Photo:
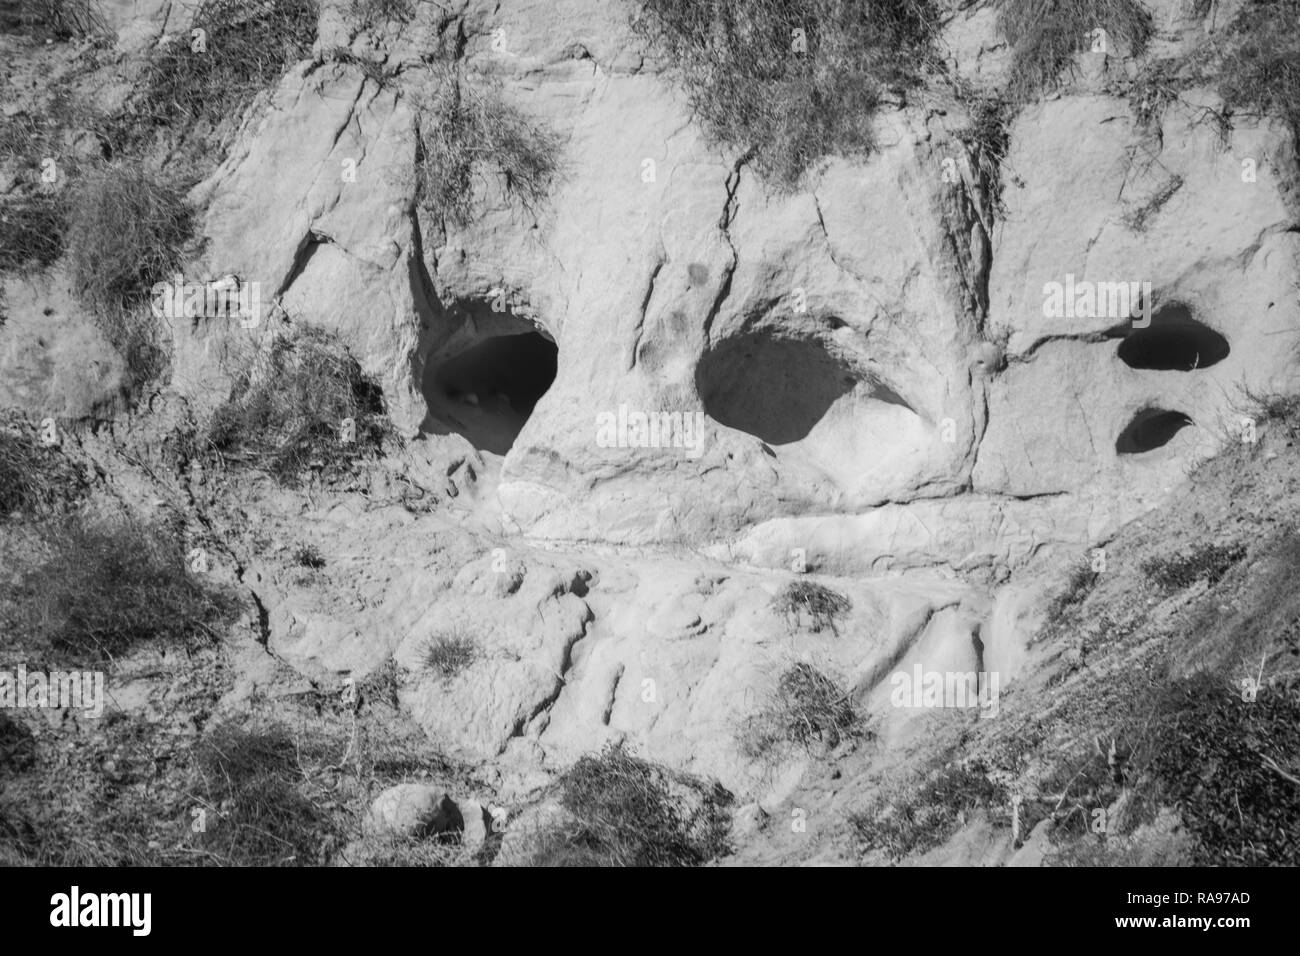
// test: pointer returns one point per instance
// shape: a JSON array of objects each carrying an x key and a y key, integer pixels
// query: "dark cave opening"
[
  {"x": 774, "y": 388},
  {"x": 1174, "y": 341},
  {"x": 487, "y": 391}
]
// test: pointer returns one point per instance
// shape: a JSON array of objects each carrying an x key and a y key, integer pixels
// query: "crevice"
[
  {"x": 724, "y": 225},
  {"x": 613, "y": 695},
  {"x": 645, "y": 306}
]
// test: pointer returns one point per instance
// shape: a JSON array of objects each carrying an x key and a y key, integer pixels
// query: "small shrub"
[
  {"x": 789, "y": 82},
  {"x": 34, "y": 479},
  {"x": 257, "y": 815},
  {"x": 805, "y": 709},
  {"x": 308, "y": 556},
  {"x": 287, "y": 413},
  {"x": 1210, "y": 562},
  {"x": 927, "y": 816},
  {"x": 1045, "y": 35},
  {"x": 447, "y": 655},
  {"x": 629, "y": 812},
  {"x": 31, "y": 232},
  {"x": 1230, "y": 767},
  {"x": 110, "y": 585},
  {"x": 823, "y": 606},
  {"x": 467, "y": 128}
]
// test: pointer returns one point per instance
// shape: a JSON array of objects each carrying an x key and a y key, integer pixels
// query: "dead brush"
[
  {"x": 819, "y": 604},
  {"x": 304, "y": 404},
  {"x": 625, "y": 811},
  {"x": 806, "y": 709},
  {"x": 252, "y": 789}
]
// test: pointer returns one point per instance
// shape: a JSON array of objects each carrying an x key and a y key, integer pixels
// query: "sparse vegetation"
[
  {"x": 289, "y": 410},
  {"x": 629, "y": 812},
  {"x": 372, "y": 13},
  {"x": 1077, "y": 585},
  {"x": 1260, "y": 70},
  {"x": 127, "y": 230},
  {"x": 1045, "y": 35},
  {"x": 56, "y": 19},
  {"x": 468, "y": 130},
  {"x": 246, "y": 47},
  {"x": 109, "y": 585},
  {"x": 789, "y": 82},
  {"x": 1232, "y": 768},
  {"x": 1272, "y": 406},
  {"x": 927, "y": 815},
  {"x": 822, "y": 606},
  {"x": 31, "y": 231},
  {"x": 309, "y": 556},
  {"x": 257, "y": 814},
  {"x": 1208, "y": 562},
  {"x": 447, "y": 655},
  {"x": 805, "y": 709},
  {"x": 34, "y": 479}
]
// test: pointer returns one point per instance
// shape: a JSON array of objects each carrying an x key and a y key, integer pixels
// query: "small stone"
[{"x": 414, "y": 810}]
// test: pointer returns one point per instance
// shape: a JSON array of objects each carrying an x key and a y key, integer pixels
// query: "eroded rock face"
[
  {"x": 870, "y": 346},
  {"x": 862, "y": 379}
]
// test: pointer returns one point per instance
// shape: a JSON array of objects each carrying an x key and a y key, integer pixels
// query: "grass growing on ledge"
[
  {"x": 469, "y": 130},
  {"x": 1045, "y": 35},
  {"x": 447, "y": 655},
  {"x": 791, "y": 81}
]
